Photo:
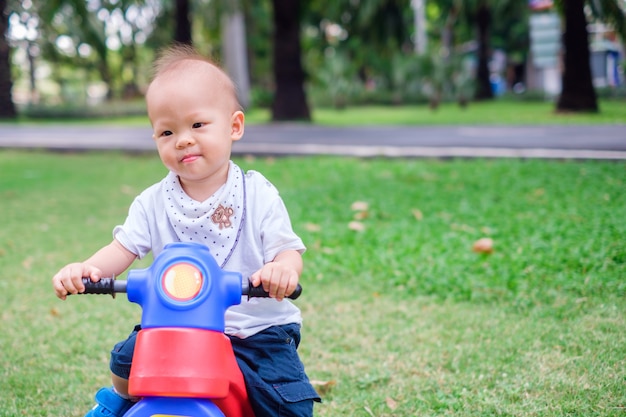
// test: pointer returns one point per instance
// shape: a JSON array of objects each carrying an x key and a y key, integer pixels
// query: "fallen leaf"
[
  {"x": 312, "y": 227},
  {"x": 359, "y": 206},
  {"x": 418, "y": 214},
  {"x": 391, "y": 403},
  {"x": 127, "y": 190},
  {"x": 356, "y": 226},
  {"x": 323, "y": 387},
  {"x": 462, "y": 227},
  {"x": 483, "y": 245},
  {"x": 54, "y": 312},
  {"x": 27, "y": 263}
]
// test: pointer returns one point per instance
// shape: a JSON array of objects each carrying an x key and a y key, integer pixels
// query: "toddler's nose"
[{"x": 184, "y": 140}]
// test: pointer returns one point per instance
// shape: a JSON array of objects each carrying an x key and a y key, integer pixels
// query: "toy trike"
[{"x": 183, "y": 364}]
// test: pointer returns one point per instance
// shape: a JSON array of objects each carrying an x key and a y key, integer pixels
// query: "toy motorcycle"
[{"x": 183, "y": 363}]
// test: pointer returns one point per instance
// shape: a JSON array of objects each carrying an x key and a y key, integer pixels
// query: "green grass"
[
  {"x": 496, "y": 112},
  {"x": 401, "y": 319}
]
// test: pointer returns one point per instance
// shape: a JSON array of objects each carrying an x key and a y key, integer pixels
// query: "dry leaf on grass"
[
  {"x": 359, "y": 206},
  {"x": 127, "y": 190},
  {"x": 483, "y": 245},
  {"x": 312, "y": 227},
  {"x": 356, "y": 226},
  {"x": 27, "y": 263},
  {"x": 323, "y": 387},
  {"x": 391, "y": 403}
]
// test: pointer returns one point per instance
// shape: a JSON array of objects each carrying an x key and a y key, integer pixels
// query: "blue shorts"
[{"x": 275, "y": 379}]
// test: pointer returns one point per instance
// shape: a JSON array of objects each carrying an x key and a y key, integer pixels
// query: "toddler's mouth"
[{"x": 189, "y": 158}]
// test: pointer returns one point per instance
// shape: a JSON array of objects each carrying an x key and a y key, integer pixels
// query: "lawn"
[{"x": 402, "y": 317}]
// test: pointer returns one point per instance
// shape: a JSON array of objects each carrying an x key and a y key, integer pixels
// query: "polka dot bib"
[{"x": 216, "y": 222}]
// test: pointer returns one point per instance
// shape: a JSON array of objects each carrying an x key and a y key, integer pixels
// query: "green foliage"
[
  {"x": 337, "y": 78},
  {"x": 354, "y": 51},
  {"x": 258, "y": 37},
  {"x": 401, "y": 317}
]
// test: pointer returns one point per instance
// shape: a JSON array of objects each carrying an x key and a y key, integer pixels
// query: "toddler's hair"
[
  {"x": 173, "y": 55},
  {"x": 180, "y": 54}
]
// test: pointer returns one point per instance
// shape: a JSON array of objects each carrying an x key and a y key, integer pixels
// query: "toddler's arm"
[
  {"x": 112, "y": 259},
  {"x": 280, "y": 277}
]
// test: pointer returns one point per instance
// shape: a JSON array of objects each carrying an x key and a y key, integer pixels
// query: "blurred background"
[{"x": 93, "y": 57}]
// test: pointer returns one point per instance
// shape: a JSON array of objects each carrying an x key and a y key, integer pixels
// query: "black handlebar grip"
[
  {"x": 296, "y": 293},
  {"x": 104, "y": 286},
  {"x": 259, "y": 292}
]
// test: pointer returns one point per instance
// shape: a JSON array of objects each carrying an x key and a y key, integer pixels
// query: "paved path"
[{"x": 571, "y": 142}]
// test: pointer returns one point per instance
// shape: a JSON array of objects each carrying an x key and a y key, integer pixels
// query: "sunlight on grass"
[
  {"x": 497, "y": 112},
  {"x": 491, "y": 113}
]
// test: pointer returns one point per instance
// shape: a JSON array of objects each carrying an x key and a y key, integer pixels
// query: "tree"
[
  {"x": 369, "y": 34},
  {"x": 290, "y": 99},
  {"x": 7, "y": 108},
  {"x": 578, "y": 93},
  {"x": 86, "y": 28},
  {"x": 495, "y": 22},
  {"x": 483, "y": 23},
  {"x": 234, "y": 50},
  {"x": 182, "y": 29},
  {"x": 378, "y": 31}
]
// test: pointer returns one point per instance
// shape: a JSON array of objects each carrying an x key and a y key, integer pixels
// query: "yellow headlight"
[{"x": 182, "y": 281}]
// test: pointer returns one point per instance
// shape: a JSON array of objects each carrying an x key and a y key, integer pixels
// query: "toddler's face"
[{"x": 195, "y": 121}]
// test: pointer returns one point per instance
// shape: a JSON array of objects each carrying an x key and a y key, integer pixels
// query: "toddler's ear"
[{"x": 237, "y": 123}]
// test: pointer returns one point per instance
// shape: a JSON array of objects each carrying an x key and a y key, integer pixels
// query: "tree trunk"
[
  {"x": 105, "y": 72},
  {"x": 235, "y": 54},
  {"x": 289, "y": 99},
  {"x": 577, "y": 93},
  {"x": 183, "y": 23},
  {"x": 131, "y": 88},
  {"x": 483, "y": 84},
  {"x": 7, "y": 108}
]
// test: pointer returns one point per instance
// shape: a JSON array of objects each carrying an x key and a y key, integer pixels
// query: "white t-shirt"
[{"x": 264, "y": 232}]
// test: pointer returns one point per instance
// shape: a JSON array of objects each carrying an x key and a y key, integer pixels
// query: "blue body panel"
[
  {"x": 220, "y": 290},
  {"x": 180, "y": 407}
]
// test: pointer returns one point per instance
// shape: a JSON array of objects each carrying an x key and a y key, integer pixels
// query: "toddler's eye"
[
  {"x": 166, "y": 133},
  {"x": 197, "y": 125}
]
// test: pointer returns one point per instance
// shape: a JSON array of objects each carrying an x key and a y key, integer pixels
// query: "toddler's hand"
[
  {"x": 69, "y": 280},
  {"x": 277, "y": 279}
]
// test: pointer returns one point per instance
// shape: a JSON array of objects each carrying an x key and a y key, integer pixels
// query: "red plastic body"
[{"x": 189, "y": 362}]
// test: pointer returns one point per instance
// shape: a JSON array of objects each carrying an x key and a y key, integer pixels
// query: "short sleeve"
[
  {"x": 134, "y": 234},
  {"x": 276, "y": 231}
]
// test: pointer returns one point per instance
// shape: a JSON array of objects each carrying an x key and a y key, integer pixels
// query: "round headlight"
[{"x": 182, "y": 282}]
